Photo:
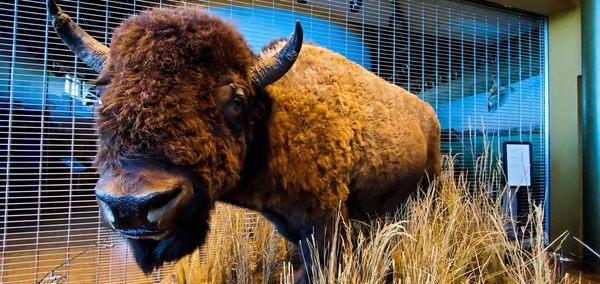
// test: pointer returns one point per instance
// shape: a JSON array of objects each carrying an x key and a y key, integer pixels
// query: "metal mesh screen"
[{"x": 482, "y": 68}]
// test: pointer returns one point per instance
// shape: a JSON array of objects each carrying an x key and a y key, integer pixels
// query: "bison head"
[{"x": 180, "y": 95}]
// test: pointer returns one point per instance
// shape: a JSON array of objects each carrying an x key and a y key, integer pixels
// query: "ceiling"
[{"x": 543, "y": 7}]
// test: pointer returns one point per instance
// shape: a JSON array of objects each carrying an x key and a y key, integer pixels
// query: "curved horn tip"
[
  {"x": 270, "y": 70},
  {"x": 298, "y": 35},
  {"x": 298, "y": 24},
  {"x": 52, "y": 7}
]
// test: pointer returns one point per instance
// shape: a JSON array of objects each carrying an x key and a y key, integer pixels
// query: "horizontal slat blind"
[{"x": 481, "y": 68}]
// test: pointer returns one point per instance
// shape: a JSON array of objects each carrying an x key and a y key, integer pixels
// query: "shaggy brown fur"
[
  {"x": 328, "y": 134},
  {"x": 159, "y": 101},
  {"x": 339, "y": 131}
]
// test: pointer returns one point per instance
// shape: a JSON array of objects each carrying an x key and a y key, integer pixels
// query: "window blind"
[{"x": 482, "y": 68}]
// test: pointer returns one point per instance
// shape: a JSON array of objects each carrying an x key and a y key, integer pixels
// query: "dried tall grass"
[
  {"x": 242, "y": 249},
  {"x": 455, "y": 232}
]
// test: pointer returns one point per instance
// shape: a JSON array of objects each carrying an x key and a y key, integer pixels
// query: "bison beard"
[{"x": 150, "y": 254}]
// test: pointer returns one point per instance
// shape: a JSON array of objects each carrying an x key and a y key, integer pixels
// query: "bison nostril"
[
  {"x": 159, "y": 199},
  {"x": 158, "y": 205},
  {"x": 108, "y": 214}
]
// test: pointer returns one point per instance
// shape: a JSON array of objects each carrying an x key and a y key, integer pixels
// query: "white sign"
[{"x": 518, "y": 164}]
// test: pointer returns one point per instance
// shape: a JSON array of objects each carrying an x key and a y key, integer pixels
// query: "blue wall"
[
  {"x": 520, "y": 109},
  {"x": 262, "y": 25},
  {"x": 259, "y": 25}
]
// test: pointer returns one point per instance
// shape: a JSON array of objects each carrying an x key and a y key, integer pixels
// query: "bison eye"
[
  {"x": 233, "y": 100},
  {"x": 238, "y": 100}
]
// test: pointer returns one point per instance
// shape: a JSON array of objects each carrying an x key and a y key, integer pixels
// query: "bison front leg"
[
  {"x": 316, "y": 243},
  {"x": 314, "y": 232},
  {"x": 282, "y": 226},
  {"x": 297, "y": 234}
]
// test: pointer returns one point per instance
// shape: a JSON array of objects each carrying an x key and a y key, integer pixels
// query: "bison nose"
[{"x": 135, "y": 214}]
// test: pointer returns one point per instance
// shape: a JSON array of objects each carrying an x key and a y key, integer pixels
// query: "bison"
[{"x": 191, "y": 116}]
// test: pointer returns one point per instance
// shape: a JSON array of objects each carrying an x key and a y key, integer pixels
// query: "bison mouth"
[
  {"x": 153, "y": 245},
  {"x": 162, "y": 210},
  {"x": 152, "y": 248},
  {"x": 144, "y": 234}
]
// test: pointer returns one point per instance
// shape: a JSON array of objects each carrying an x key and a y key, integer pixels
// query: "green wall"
[{"x": 565, "y": 155}]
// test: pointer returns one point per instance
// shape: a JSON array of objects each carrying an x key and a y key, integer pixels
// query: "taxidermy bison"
[{"x": 191, "y": 116}]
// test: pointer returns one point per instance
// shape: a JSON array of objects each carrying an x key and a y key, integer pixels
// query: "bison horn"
[
  {"x": 91, "y": 51},
  {"x": 268, "y": 70}
]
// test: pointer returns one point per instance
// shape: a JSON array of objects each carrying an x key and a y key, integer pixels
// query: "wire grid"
[{"x": 481, "y": 68}]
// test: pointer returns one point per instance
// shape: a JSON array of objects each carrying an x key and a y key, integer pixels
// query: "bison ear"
[
  {"x": 260, "y": 107},
  {"x": 269, "y": 69}
]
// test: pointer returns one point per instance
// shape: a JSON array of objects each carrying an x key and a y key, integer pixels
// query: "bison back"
[{"x": 338, "y": 129}]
